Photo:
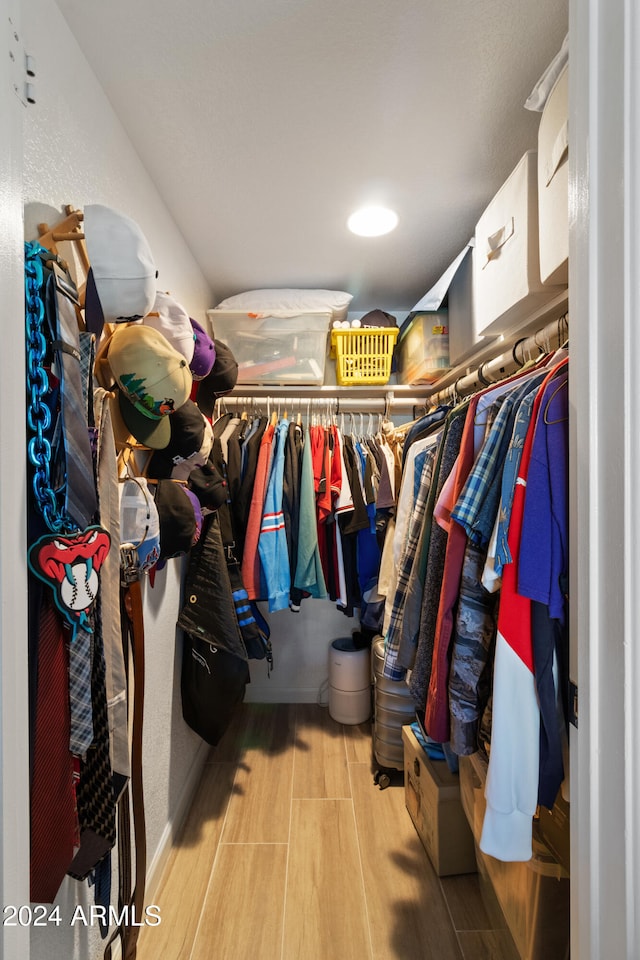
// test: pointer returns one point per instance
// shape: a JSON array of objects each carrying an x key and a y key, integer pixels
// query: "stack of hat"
[
  {"x": 220, "y": 381},
  {"x": 153, "y": 359}
]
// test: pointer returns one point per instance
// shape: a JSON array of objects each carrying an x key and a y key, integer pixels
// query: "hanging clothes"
[
  {"x": 291, "y": 502},
  {"x": 481, "y": 543},
  {"x": 513, "y": 779},
  {"x": 475, "y": 512},
  {"x": 392, "y": 632},
  {"x": 272, "y": 542},
  {"x": 543, "y": 575},
  {"x": 421, "y": 674},
  {"x": 343, "y": 506},
  {"x": 241, "y": 501},
  {"x": 309, "y": 577},
  {"x": 251, "y": 556}
]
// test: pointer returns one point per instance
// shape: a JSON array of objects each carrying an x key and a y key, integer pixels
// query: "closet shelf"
[
  {"x": 396, "y": 396},
  {"x": 553, "y": 311}
]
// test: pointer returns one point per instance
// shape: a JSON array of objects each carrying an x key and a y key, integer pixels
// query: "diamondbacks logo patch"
[{"x": 69, "y": 564}]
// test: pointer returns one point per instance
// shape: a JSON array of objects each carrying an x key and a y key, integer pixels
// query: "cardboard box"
[
  {"x": 432, "y": 797},
  {"x": 532, "y": 898},
  {"x": 555, "y": 832},
  {"x": 422, "y": 351}
]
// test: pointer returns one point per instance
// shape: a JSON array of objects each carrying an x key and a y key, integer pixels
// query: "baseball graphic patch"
[{"x": 69, "y": 564}]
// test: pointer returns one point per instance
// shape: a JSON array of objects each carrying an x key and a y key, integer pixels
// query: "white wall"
[
  {"x": 14, "y": 774},
  {"x": 75, "y": 151},
  {"x": 300, "y": 654},
  {"x": 604, "y": 176}
]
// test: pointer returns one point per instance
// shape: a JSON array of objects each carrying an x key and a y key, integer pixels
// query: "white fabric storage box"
[
  {"x": 553, "y": 184},
  {"x": 274, "y": 350},
  {"x": 463, "y": 339},
  {"x": 506, "y": 268}
]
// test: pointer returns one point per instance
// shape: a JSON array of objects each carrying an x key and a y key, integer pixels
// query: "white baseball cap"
[
  {"x": 170, "y": 319},
  {"x": 122, "y": 267},
  {"x": 139, "y": 521}
]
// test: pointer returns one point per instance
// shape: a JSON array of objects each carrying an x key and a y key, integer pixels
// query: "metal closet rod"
[
  {"x": 333, "y": 405},
  {"x": 548, "y": 338}
]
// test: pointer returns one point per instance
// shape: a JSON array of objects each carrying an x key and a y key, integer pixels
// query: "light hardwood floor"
[{"x": 290, "y": 852}]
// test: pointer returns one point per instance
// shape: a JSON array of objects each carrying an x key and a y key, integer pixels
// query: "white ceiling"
[{"x": 264, "y": 123}]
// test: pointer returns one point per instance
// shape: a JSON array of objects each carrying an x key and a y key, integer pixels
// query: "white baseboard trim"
[
  {"x": 158, "y": 863},
  {"x": 160, "y": 857}
]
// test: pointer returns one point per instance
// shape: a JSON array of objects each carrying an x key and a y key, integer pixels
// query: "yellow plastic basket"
[{"x": 363, "y": 356}]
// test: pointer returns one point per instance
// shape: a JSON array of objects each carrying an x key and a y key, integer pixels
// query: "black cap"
[
  {"x": 177, "y": 519},
  {"x": 378, "y": 318},
  {"x": 209, "y": 486},
  {"x": 220, "y": 381},
  {"x": 187, "y": 437}
]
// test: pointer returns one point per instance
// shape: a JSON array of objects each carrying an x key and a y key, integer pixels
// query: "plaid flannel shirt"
[
  {"x": 489, "y": 461},
  {"x": 391, "y": 670}
]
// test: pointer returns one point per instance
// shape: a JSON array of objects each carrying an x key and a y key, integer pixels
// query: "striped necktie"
[{"x": 80, "y": 488}]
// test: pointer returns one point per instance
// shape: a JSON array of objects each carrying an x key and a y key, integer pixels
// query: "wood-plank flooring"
[{"x": 290, "y": 852}]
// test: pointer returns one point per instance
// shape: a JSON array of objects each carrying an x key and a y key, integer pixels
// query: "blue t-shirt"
[{"x": 544, "y": 547}]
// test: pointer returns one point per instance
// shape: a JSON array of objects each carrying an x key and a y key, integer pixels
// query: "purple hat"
[
  {"x": 221, "y": 380},
  {"x": 204, "y": 354}
]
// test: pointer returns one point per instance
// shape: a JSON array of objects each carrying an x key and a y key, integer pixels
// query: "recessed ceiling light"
[{"x": 372, "y": 221}]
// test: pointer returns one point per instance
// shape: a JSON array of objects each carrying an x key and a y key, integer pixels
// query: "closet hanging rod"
[
  {"x": 322, "y": 403},
  {"x": 548, "y": 338},
  {"x": 331, "y": 391}
]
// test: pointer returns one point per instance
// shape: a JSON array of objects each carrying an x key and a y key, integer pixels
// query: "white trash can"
[{"x": 349, "y": 681}]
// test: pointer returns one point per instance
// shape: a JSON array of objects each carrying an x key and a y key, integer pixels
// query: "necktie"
[
  {"x": 87, "y": 360},
  {"x": 54, "y": 826},
  {"x": 80, "y": 706},
  {"x": 96, "y": 803},
  {"x": 80, "y": 490}
]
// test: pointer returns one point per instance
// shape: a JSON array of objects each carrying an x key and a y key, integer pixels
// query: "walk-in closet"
[{"x": 318, "y": 535}]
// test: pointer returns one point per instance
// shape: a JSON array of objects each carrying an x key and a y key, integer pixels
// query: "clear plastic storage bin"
[{"x": 274, "y": 350}]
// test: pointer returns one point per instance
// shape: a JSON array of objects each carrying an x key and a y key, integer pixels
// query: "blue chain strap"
[{"x": 38, "y": 413}]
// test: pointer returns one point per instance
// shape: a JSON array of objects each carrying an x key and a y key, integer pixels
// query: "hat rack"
[{"x": 68, "y": 229}]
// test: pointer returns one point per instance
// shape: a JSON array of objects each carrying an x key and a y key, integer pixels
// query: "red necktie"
[{"x": 54, "y": 822}]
